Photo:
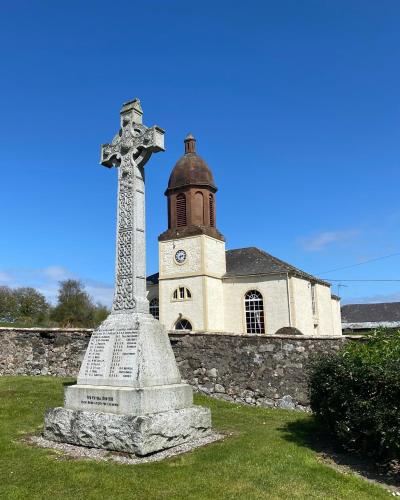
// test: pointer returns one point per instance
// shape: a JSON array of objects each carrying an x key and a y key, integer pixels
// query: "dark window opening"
[
  {"x": 182, "y": 293},
  {"x": 183, "y": 324}
]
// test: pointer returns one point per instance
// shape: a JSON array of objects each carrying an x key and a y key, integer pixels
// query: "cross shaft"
[{"x": 130, "y": 150}]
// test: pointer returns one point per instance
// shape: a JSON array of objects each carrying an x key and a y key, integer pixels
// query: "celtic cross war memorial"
[{"x": 129, "y": 395}]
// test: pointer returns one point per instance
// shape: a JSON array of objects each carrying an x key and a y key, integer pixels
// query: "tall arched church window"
[
  {"x": 212, "y": 210},
  {"x": 183, "y": 324},
  {"x": 155, "y": 308},
  {"x": 181, "y": 210},
  {"x": 254, "y": 307}
]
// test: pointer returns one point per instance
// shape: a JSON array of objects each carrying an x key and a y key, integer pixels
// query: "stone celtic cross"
[
  {"x": 130, "y": 150},
  {"x": 129, "y": 395}
]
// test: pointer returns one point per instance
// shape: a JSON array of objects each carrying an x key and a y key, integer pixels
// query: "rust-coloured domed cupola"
[{"x": 191, "y": 197}]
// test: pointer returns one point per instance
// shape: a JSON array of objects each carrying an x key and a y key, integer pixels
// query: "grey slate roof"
[
  {"x": 371, "y": 313},
  {"x": 252, "y": 261},
  {"x": 152, "y": 279}
]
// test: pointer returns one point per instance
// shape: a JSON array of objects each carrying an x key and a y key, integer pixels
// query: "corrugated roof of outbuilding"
[{"x": 371, "y": 313}]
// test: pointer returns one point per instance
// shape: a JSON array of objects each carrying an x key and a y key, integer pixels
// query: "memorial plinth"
[{"x": 129, "y": 395}]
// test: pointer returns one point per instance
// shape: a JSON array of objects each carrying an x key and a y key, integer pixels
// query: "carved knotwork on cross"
[
  {"x": 130, "y": 150},
  {"x": 133, "y": 139}
]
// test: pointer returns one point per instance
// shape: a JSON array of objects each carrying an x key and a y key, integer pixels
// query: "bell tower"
[
  {"x": 191, "y": 250},
  {"x": 191, "y": 197}
]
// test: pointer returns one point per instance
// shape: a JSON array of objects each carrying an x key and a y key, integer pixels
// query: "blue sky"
[{"x": 295, "y": 107}]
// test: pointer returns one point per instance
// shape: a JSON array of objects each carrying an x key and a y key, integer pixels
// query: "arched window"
[
  {"x": 212, "y": 211},
  {"x": 182, "y": 293},
  {"x": 181, "y": 210},
  {"x": 183, "y": 324},
  {"x": 254, "y": 307},
  {"x": 155, "y": 308}
]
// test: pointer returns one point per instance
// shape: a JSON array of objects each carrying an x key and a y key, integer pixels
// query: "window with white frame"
[
  {"x": 254, "y": 308},
  {"x": 183, "y": 324},
  {"x": 155, "y": 308},
  {"x": 182, "y": 293}
]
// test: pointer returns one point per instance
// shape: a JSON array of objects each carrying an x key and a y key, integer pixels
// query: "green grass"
[{"x": 266, "y": 457}]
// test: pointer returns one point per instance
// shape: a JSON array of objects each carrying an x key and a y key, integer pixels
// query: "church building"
[{"x": 202, "y": 287}]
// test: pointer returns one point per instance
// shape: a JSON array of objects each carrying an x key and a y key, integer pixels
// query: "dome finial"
[{"x": 190, "y": 144}]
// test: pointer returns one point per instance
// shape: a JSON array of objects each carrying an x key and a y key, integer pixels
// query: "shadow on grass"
[
  {"x": 67, "y": 384},
  {"x": 307, "y": 434}
]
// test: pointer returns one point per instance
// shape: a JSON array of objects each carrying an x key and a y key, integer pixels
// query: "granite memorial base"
[
  {"x": 128, "y": 400},
  {"x": 140, "y": 435}
]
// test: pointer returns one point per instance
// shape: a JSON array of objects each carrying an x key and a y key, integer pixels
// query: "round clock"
[{"x": 180, "y": 256}]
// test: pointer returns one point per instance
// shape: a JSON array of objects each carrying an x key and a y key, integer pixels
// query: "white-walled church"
[{"x": 204, "y": 288}]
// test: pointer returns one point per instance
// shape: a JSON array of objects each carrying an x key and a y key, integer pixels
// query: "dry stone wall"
[
  {"x": 36, "y": 351},
  {"x": 253, "y": 369}
]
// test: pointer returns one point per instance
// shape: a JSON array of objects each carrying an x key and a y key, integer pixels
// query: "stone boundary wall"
[
  {"x": 42, "y": 351},
  {"x": 253, "y": 369}
]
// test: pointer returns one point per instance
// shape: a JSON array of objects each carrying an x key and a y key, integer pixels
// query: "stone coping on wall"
[
  {"x": 184, "y": 334},
  {"x": 255, "y": 335}
]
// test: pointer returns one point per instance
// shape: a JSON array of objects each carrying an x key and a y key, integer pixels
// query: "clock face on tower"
[{"x": 180, "y": 256}]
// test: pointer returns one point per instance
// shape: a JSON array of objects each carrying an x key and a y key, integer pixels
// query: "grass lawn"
[{"x": 266, "y": 457}]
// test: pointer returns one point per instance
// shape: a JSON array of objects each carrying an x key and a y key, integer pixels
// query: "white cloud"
[
  {"x": 4, "y": 278},
  {"x": 101, "y": 293},
  {"x": 56, "y": 272},
  {"x": 320, "y": 241}
]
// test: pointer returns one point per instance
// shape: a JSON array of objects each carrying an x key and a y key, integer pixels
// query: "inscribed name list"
[{"x": 110, "y": 355}]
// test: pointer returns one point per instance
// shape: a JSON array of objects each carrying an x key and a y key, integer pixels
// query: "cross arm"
[
  {"x": 110, "y": 155},
  {"x": 158, "y": 138},
  {"x": 152, "y": 141}
]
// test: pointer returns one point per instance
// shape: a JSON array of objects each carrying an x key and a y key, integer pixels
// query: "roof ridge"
[{"x": 242, "y": 248}]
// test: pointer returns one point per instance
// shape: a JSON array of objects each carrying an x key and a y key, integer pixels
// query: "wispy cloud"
[
  {"x": 46, "y": 281},
  {"x": 4, "y": 278},
  {"x": 56, "y": 272},
  {"x": 322, "y": 240},
  {"x": 101, "y": 292}
]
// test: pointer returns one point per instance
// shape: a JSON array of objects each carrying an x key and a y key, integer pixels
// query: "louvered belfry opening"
[
  {"x": 191, "y": 197},
  {"x": 212, "y": 211},
  {"x": 181, "y": 210}
]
